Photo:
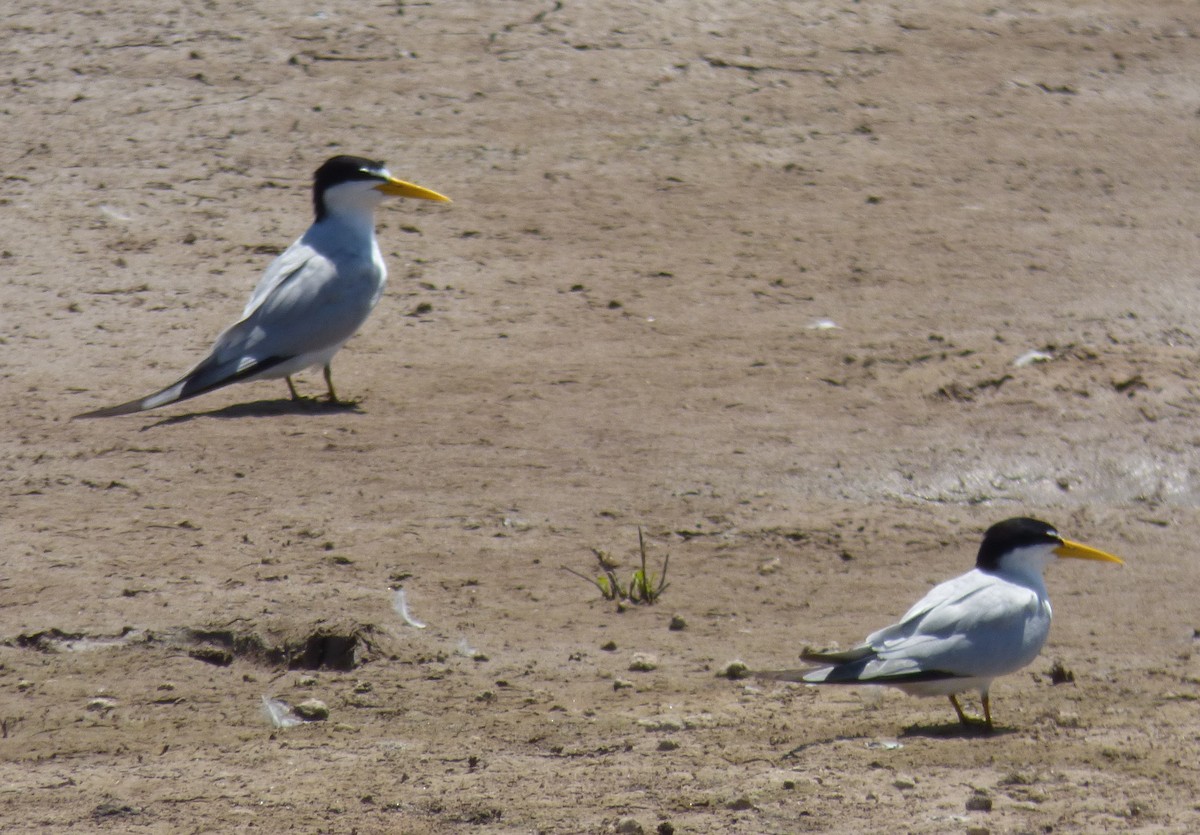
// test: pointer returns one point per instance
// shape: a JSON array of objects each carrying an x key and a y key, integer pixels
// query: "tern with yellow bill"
[
  {"x": 311, "y": 299},
  {"x": 966, "y": 632}
]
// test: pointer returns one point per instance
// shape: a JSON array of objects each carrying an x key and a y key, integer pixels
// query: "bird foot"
[
  {"x": 982, "y": 724},
  {"x": 340, "y": 402},
  {"x": 977, "y": 724}
]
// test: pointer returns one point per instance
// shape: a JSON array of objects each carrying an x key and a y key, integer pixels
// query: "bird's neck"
[
  {"x": 1027, "y": 576},
  {"x": 356, "y": 223}
]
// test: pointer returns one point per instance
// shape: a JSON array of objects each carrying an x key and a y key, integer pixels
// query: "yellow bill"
[
  {"x": 1084, "y": 552},
  {"x": 399, "y": 188}
]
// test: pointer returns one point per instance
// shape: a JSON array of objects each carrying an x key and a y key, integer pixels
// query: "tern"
[
  {"x": 965, "y": 632},
  {"x": 311, "y": 299}
]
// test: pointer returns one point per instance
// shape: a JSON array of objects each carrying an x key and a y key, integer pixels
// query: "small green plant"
[{"x": 643, "y": 587}]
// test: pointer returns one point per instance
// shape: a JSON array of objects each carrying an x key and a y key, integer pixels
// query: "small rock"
[
  {"x": 113, "y": 810},
  {"x": 212, "y": 655},
  {"x": 734, "y": 670},
  {"x": 677, "y": 624},
  {"x": 306, "y": 681},
  {"x": 668, "y": 745},
  {"x": 621, "y": 684},
  {"x": 904, "y": 783},
  {"x": 979, "y": 802},
  {"x": 643, "y": 662},
  {"x": 769, "y": 567},
  {"x": 24, "y": 684},
  {"x": 101, "y": 704},
  {"x": 312, "y": 710},
  {"x": 666, "y": 828},
  {"x": 740, "y": 804},
  {"x": 1059, "y": 674},
  {"x": 629, "y": 826}
]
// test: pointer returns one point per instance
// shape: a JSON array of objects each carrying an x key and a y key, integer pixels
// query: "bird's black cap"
[
  {"x": 1018, "y": 532},
  {"x": 343, "y": 169}
]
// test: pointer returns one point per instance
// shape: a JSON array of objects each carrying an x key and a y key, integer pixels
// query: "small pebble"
[
  {"x": 904, "y": 783},
  {"x": 677, "y": 624},
  {"x": 621, "y": 684},
  {"x": 629, "y": 826},
  {"x": 1059, "y": 674},
  {"x": 643, "y": 662},
  {"x": 979, "y": 802},
  {"x": 312, "y": 710},
  {"x": 101, "y": 704}
]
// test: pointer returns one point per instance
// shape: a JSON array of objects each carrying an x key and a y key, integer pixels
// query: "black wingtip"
[
  {"x": 200, "y": 380},
  {"x": 132, "y": 407},
  {"x": 846, "y": 656},
  {"x": 141, "y": 404}
]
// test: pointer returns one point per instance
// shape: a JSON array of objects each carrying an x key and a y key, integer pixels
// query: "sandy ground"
[{"x": 616, "y": 324}]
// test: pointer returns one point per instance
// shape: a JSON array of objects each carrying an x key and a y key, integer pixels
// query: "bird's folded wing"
[
  {"x": 303, "y": 313},
  {"x": 278, "y": 271}
]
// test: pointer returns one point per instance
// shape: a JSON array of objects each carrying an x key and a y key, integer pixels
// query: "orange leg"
[
  {"x": 962, "y": 717},
  {"x": 333, "y": 398},
  {"x": 971, "y": 721}
]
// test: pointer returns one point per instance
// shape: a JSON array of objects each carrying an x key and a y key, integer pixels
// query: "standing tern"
[
  {"x": 989, "y": 622},
  {"x": 311, "y": 299}
]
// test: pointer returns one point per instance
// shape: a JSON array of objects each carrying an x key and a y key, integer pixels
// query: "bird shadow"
[
  {"x": 955, "y": 730},
  {"x": 267, "y": 408}
]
